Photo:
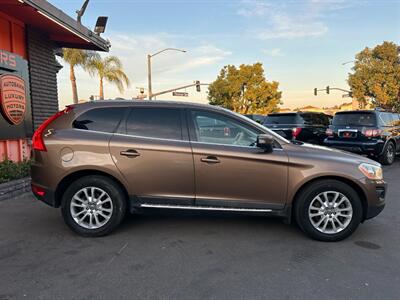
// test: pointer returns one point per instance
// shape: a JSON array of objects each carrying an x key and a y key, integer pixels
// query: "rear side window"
[
  {"x": 281, "y": 119},
  {"x": 164, "y": 123},
  {"x": 354, "y": 119},
  {"x": 387, "y": 119},
  {"x": 104, "y": 119}
]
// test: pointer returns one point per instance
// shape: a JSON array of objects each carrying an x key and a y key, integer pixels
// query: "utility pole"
[
  {"x": 149, "y": 75},
  {"x": 149, "y": 56}
]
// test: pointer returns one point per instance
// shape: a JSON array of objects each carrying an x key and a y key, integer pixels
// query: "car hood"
[{"x": 325, "y": 153}]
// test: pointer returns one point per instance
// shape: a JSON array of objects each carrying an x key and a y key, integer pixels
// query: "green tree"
[
  {"x": 109, "y": 69},
  {"x": 376, "y": 76},
  {"x": 245, "y": 90},
  {"x": 76, "y": 57}
]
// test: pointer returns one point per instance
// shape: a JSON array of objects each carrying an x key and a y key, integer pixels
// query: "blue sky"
[{"x": 301, "y": 43}]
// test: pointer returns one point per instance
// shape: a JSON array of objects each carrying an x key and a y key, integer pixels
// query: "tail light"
[
  {"x": 372, "y": 132},
  {"x": 37, "y": 190},
  {"x": 329, "y": 132},
  {"x": 37, "y": 139},
  {"x": 296, "y": 131}
]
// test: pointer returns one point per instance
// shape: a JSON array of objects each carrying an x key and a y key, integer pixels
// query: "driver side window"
[{"x": 213, "y": 128}]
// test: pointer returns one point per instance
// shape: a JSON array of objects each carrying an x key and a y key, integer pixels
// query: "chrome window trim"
[
  {"x": 151, "y": 138},
  {"x": 229, "y": 145}
]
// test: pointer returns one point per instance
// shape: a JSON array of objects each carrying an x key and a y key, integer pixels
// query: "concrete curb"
[{"x": 14, "y": 188}]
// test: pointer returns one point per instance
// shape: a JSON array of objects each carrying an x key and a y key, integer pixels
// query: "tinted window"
[
  {"x": 104, "y": 119},
  {"x": 387, "y": 119},
  {"x": 258, "y": 118},
  {"x": 315, "y": 119},
  {"x": 354, "y": 119},
  {"x": 218, "y": 129},
  {"x": 281, "y": 119},
  {"x": 164, "y": 123}
]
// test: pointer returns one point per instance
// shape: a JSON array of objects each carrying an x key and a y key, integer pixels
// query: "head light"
[{"x": 371, "y": 171}]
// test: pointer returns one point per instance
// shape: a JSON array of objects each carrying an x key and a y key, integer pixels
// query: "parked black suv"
[
  {"x": 258, "y": 118},
  {"x": 375, "y": 133},
  {"x": 309, "y": 127}
]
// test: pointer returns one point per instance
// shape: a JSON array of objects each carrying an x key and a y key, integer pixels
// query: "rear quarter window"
[
  {"x": 388, "y": 119},
  {"x": 105, "y": 119}
]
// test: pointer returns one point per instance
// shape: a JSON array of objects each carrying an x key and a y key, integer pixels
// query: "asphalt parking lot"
[{"x": 196, "y": 256}]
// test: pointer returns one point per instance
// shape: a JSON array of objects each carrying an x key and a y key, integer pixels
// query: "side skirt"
[{"x": 282, "y": 213}]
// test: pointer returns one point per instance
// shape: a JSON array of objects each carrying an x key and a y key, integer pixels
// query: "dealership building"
[{"x": 32, "y": 33}]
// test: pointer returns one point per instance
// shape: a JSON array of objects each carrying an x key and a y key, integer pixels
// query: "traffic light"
[
  {"x": 327, "y": 89},
  {"x": 198, "y": 85},
  {"x": 315, "y": 92}
]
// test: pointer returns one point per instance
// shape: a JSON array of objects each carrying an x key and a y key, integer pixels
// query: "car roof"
[
  {"x": 360, "y": 111},
  {"x": 296, "y": 113},
  {"x": 128, "y": 102}
]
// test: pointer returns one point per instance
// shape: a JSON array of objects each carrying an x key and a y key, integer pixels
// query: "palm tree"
[
  {"x": 76, "y": 57},
  {"x": 109, "y": 69}
]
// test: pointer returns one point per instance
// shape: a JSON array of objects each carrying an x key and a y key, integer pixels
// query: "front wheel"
[
  {"x": 93, "y": 206},
  {"x": 328, "y": 210}
]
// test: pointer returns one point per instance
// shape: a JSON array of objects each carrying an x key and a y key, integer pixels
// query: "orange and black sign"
[
  {"x": 12, "y": 98},
  {"x": 15, "y": 103}
]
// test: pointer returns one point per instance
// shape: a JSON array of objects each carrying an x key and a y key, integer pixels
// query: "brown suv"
[{"x": 99, "y": 160}]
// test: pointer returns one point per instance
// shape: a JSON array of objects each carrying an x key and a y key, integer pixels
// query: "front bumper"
[
  {"x": 369, "y": 148},
  {"x": 376, "y": 193}
]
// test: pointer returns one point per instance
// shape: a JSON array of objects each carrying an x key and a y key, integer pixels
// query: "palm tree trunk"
[
  {"x": 73, "y": 84},
  {"x": 101, "y": 89}
]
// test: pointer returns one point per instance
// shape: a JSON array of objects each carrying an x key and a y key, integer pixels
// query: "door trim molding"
[{"x": 212, "y": 208}]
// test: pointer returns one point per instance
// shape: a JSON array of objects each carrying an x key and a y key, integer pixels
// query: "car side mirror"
[{"x": 265, "y": 142}]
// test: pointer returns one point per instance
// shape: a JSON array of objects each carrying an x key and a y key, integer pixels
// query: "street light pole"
[
  {"x": 149, "y": 56},
  {"x": 149, "y": 75}
]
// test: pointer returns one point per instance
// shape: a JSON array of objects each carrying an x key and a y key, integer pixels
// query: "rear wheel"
[
  {"x": 389, "y": 154},
  {"x": 328, "y": 210},
  {"x": 93, "y": 206}
]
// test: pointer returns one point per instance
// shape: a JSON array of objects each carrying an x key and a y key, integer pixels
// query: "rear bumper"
[
  {"x": 369, "y": 148},
  {"x": 48, "y": 197}
]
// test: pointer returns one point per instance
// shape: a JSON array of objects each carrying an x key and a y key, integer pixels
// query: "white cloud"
[
  {"x": 273, "y": 52},
  {"x": 289, "y": 20}
]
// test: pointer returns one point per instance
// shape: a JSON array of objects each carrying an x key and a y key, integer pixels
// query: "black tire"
[
  {"x": 389, "y": 154},
  {"x": 303, "y": 202},
  {"x": 116, "y": 195}
]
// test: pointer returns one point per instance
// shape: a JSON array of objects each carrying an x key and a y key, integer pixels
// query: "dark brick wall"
[{"x": 43, "y": 69}]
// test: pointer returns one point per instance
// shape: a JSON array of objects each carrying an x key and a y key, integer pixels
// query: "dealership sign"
[{"x": 12, "y": 98}]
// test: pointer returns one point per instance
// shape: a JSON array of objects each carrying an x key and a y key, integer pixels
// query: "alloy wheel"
[
  {"x": 330, "y": 212},
  {"x": 390, "y": 153},
  {"x": 91, "y": 207}
]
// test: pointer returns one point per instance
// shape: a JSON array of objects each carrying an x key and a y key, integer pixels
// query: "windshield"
[
  {"x": 281, "y": 119},
  {"x": 354, "y": 119}
]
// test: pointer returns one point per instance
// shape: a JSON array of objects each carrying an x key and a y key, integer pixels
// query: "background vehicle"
[
  {"x": 99, "y": 160},
  {"x": 309, "y": 127},
  {"x": 375, "y": 133},
  {"x": 258, "y": 118}
]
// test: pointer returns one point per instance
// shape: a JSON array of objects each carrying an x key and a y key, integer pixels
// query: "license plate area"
[{"x": 348, "y": 133}]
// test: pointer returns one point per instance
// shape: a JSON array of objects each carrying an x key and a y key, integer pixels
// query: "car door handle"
[
  {"x": 130, "y": 153},
  {"x": 211, "y": 160}
]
